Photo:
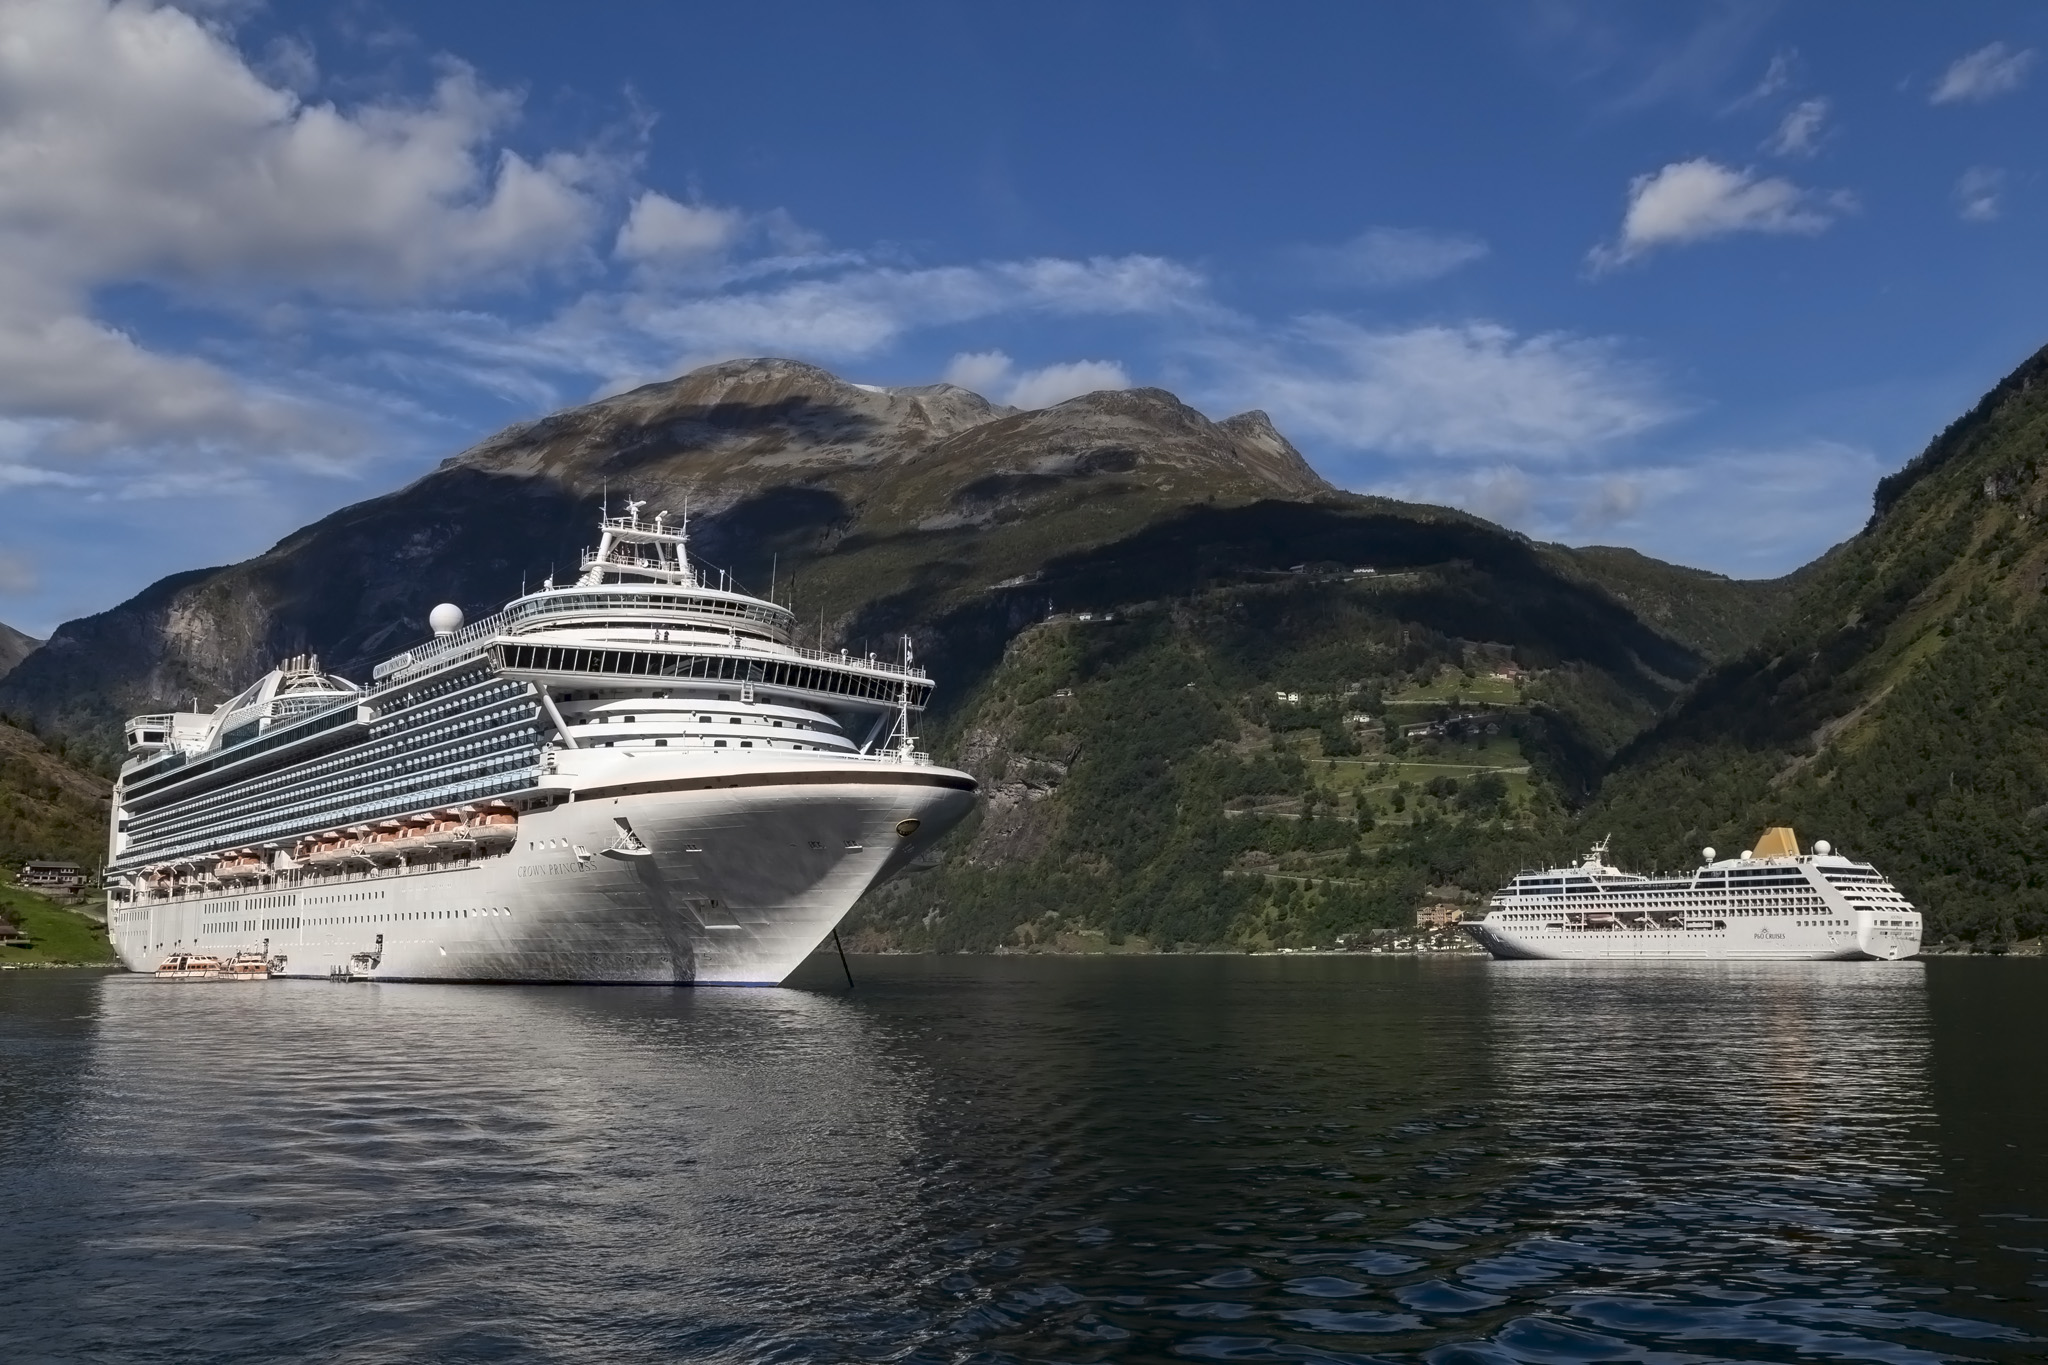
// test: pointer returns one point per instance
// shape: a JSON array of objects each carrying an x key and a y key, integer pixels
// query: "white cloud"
[
  {"x": 978, "y": 371},
  {"x": 1977, "y": 192},
  {"x": 1042, "y": 388},
  {"x": 1387, "y": 258},
  {"x": 1692, "y": 201},
  {"x": 1799, "y": 132},
  {"x": 1992, "y": 70},
  {"x": 993, "y": 375},
  {"x": 659, "y": 229},
  {"x": 1477, "y": 390},
  {"x": 859, "y": 312},
  {"x": 137, "y": 146}
]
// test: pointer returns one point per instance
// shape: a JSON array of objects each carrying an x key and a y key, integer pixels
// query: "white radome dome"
[
  {"x": 445, "y": 619},
  {"x": 1823, "y": 847},
  {"x": 1707, "y": 854}
]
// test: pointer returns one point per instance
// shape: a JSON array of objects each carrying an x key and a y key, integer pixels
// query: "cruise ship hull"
[
  {"x": 1789, "y": 942},
  {"x": 1771, "y": 904},
  {"x": 649, "y": 871}
]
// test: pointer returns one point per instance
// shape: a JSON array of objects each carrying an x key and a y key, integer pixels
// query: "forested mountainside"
[
  {"x": 49, "y": 806},
  {"x": 14, "y": 647},
  {"x": 1209, "y": 745},
  {"x": 1898, "y": 708}
]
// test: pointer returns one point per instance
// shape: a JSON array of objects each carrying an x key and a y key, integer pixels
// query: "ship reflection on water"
[{"x": 1206, "y": 1158}]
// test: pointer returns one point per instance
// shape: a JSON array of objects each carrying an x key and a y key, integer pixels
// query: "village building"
[
  {"x": 49, "y": 876},
  {"x": 1442, "y": 915}
]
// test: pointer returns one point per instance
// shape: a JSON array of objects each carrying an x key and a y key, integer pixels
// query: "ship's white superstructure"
[
  {"x": 635, "y": 777},
  {"x": 1772, "y": 902}
]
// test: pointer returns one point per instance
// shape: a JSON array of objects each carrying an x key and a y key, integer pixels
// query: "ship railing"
[
  {"x": 630, "y": 563},
  {"x": 440, "y": 647},
  {"x": 421, "y": 655},
  {"x": 643, "y": 526},
  {"x": 842, "y": 657}
]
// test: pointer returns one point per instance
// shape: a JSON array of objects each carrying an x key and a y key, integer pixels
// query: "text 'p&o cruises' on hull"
[
  {"x": 1773, "y": 902},
  {"x": 635, "y": 778}
]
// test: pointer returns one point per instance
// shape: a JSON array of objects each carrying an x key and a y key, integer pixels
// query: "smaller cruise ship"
[{"x": 1773, "y": 902}]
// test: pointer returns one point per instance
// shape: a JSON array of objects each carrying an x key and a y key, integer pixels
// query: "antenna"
[
  {"x": 906, "y": 746},
  {"x": 774, "y": 563}
]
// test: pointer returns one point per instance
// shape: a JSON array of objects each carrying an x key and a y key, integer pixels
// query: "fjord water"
[{"x": 989, "y": 1159}]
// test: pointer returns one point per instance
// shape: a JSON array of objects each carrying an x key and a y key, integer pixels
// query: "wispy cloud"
[
  {"x": 17, "y": 575},
  {"x": 1977, "y": 193},
  {"x": 858, "y": 313},
  {"x": 1474, "y": 391},
  {"x": 1801, "y": 131},
  {"x": 1750, "y": 512},
  {"x": 992, "y": 374},
  {"x": 1992, "y": 70},
  {"x": 1389, "y": 258},
  {"x": 1694, "y": 201},
  {"x": 1777, "y": 78}
]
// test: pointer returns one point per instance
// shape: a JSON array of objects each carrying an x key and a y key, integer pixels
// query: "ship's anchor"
[{"x": 627, "y": 844}]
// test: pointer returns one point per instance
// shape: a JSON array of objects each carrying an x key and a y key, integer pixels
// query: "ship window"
[
  {"x": 661, "y": 744},
  {"x": 719, "y": 743}
]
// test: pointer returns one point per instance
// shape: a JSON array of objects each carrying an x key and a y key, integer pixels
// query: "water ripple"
[{"x": 1455, "y": 1163}]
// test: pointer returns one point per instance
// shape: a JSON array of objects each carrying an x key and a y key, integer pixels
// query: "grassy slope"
[
  {"x": 1898, "y": 708},
  {"x": 59, "y": 937}
]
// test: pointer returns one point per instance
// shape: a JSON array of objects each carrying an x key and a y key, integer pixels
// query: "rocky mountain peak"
[
  {"x": 1272, "y": 454},
  {"x": 14, "y": 647}
]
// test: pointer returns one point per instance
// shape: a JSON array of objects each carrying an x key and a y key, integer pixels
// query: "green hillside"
[
  {"x": 49, "y": 806},
  {"x": 1899, "y": 707},
  {"x": 1208, "y": 749}
]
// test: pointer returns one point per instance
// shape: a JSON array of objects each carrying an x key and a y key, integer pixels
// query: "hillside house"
[{"x": 66, "y": 878}]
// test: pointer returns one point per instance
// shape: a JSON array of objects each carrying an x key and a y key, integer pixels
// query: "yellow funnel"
[{"x": 1777, "y": 842}]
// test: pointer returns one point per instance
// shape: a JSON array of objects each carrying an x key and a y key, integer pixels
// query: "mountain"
[
  {"x": 1213, "y": 699},
  {"x": 827, "y": 493},
  {"x": 14, "y": 647},
  {"x": 1897, "y": 708}
]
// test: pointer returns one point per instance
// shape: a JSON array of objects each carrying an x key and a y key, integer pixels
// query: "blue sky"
[{"x": 1687, "y": 278}]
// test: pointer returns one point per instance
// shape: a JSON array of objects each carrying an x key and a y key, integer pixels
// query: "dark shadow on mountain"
[
  {"x": 800, "y": 421},
  {"x": 778, "y": 526},
  {"x": 1484, "y": 584}
]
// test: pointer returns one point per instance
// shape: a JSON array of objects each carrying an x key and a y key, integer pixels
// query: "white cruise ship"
[
  {"x": 1773, "y": 902},
  {"x": 635, "y": 778}
]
